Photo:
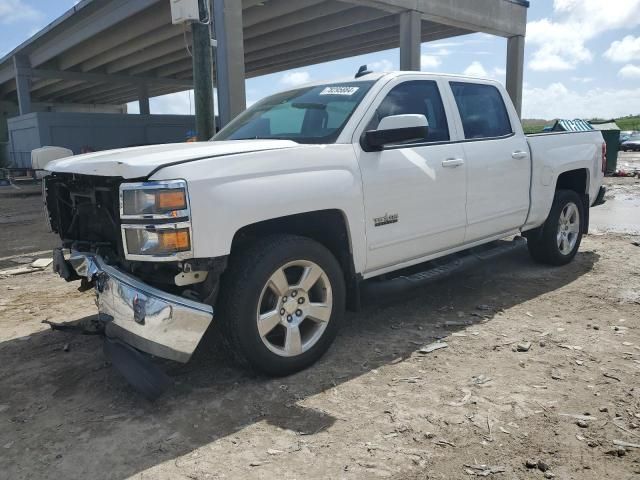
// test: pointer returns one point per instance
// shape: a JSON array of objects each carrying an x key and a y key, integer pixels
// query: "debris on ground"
[
  {"x": 480, "y": 379},
  {"x": 543, "y": 466},
  {"x": 621, "y": 443},
  {"x": 617, "y": 451},
  {"x": 585, "y": 418},
  {"x": 570, "y": 347},
  {"x": 609, "y": 375},
  {"x": 11, "y": 272},
  {"x": 30, "y": 266},
  {"x": 557, "y": 374},
  {"x": 432, "y": 347},
  {"x": 523, "y": 346},
  {"x": 444, "y": 443},
  {"x": 42, "y": 263},
  {"x": 484, "y": 470}
]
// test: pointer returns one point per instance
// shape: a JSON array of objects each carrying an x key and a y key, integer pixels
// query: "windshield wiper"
[{"x": 309, "y": 106}]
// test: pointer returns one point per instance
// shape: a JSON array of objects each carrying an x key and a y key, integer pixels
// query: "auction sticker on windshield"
[{"x": 348, "y": 91}]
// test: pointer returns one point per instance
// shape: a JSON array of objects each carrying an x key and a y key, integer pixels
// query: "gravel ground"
[{"x": 373, "y": 407}]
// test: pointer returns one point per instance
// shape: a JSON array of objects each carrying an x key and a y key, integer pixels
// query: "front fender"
[{"x": 250, "y": 188}]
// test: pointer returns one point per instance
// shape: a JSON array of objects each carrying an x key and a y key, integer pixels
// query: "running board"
[{"x": 438, "y": 269}]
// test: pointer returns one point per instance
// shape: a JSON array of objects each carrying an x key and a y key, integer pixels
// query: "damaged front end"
[{"x": 132, "y": 243}]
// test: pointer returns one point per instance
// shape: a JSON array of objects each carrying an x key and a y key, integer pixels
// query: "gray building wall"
[
  {"x": 99, "y": 131},
  {"x": 7, "y": 110}
]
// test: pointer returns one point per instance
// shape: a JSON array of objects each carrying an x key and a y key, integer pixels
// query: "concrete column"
[
  {"x": 230, "y": 74},
  {"x": 515, "y": 69},
  {"x": 143, "y": 99},
  {"x": 22, "y": 68},
  {"x": 410, "y": 40}
]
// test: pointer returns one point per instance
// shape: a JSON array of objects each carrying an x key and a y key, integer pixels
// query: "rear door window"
[{"x": 482, "y": 110}]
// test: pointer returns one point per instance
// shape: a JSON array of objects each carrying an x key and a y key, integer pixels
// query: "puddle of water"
[{"x": 620, "y": 213}]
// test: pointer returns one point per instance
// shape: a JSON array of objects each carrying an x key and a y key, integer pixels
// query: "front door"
[{"x": 415, "y": 194}]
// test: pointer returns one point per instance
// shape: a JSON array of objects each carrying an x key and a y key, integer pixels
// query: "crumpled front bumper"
[{"x": 142, "y": 316}]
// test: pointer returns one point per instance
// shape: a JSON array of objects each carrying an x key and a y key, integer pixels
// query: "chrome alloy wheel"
[
  {"x": 294, "y": 308},
  {"x": 568, "y": 228}
]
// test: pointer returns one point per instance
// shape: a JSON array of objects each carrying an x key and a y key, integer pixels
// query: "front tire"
[
  {"x": 281, "y": 303},
  {"x": 558, "y": 240}
]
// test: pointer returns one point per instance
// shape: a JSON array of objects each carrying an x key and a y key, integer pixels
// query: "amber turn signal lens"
[
  {"x": 174, "y": 240},
  {"x": 171, "y": 200}
]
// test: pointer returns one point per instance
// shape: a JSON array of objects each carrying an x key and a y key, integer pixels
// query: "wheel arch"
[
  {"x": 577, "y": 180},
  {"x": 328, "y": 227}
]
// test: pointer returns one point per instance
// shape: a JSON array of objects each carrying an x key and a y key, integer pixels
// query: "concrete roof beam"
[
  {"x": 139, "y": 24},
  {"x": 159, "y": 62},
  {"x": 156, "y": 51},
  {"x": 336, "y": 21},
  {"x": 255, "y": 48},
  {"x": 295, "y": 20},
  {"x": 275, "y": 9},
  {"x": 506, "y": 18},
  {"x": 135, "y": 45},
  {"x": 356, "y": 48}
]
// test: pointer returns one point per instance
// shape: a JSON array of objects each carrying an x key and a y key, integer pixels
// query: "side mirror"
[{"x": 396, "y": 129}]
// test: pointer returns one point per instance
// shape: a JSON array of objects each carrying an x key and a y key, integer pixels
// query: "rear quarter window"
[{"x": 482, "y": 110}]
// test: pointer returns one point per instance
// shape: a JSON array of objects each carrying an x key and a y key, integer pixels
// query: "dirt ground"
[
  {"x": 22, "y": 226},
  {"x": 373, "y": 407}
]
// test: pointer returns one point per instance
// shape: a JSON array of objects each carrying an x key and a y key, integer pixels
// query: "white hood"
[{"x": 140, "y": 162}]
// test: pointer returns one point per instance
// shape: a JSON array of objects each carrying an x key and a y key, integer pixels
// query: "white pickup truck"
[{"x": 271, "y": 227}]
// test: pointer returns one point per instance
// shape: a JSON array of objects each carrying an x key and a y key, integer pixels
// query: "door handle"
[
  {"x": 452, "y": 162},
  {"x": 519, "y": 155}
]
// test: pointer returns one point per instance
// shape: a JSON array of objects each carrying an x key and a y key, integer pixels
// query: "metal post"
[
  {"x": 515, "y": 68},
  {"x": 410, "y": 40},
  {"x": 22, "y": 67},
  {"x": 202, "y": 76},
  {"x": 229, "y": 59},
  {"x": 143, "y": 99}
]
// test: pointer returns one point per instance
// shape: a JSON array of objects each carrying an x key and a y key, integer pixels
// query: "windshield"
[{"x": 314, "y": 114}]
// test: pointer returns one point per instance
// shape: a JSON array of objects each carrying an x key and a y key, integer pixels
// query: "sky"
[{"x": 582, "y": 58}]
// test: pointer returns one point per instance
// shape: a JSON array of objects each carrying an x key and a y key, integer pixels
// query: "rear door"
[
  {"x": 498, "y": 161},
  {"x": 414, "y": 192}
]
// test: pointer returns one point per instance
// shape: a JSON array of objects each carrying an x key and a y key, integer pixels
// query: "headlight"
[
  {"x": 153, "y": 200},
  {"x": 156, "y": 221},
  {"x": 157, "y": 241}
]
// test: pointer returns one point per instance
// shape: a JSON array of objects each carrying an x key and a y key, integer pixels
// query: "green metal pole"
[{"x": 202, "y": 77}]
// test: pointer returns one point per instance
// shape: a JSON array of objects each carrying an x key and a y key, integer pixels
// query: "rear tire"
[
  {"x": 281, "y": 303},
  {"x": 558, "y": 240}
]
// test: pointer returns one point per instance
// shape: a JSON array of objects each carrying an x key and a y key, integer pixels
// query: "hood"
[{"x": 140, "y": 162}]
